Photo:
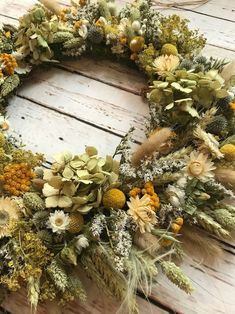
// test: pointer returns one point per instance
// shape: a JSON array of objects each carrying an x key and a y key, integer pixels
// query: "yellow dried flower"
[
  {"x": 16, "y": 178},
  {"x": 8, "y": 34},
  {"x": 76, "y": 222},
  {"x": 164, "y": 64},
  {"x": 169, "y": 49},
  {"x": 229, "y": 151},
  {"x": 137, "y": 44},
  {"x": 114, "y": 198},
  {"x": 141, "y": 212},
  {"x": 9, "y": 63},
  {"x": 232, "y": 105}
]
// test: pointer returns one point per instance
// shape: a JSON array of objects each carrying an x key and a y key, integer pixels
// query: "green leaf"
[{"x": 9, "y": 85}]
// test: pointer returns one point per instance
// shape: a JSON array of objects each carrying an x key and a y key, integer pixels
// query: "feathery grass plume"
[
  {"x": 226, "y": 164},
  {"x": 141, "y": 273},
  {"x": 226, "y": 177},
  {"x": 176, "y": 275},
  {"x": 166, "y": 177},
  {"x": 33, "y": 285},
  {"x": 58, "y": 275},
  {"x": 52, "y": 5},
  {"x": 152, "y": 144},
  {"x": 208, "y": 142},
  {"x": 196, "y": 242},
  {"x": 225, "y": 218},
  {"x": 97, "y": 263},
  {"x": 147, "y": 242},
  {"x": 209, "y": 224},
  {"x": 75, "y": 286},
  {"x": 230, "y": 208},
  {"x": 207, "y": 117}
]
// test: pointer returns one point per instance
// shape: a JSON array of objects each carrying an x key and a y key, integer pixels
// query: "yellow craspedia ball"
[
  {"x": 114, "y": 198},
  {"x": 229, "y": 151},
  {"x": 137, "y": 44},
  {"x": 76, "y": 222},
  {"x": 169, "y": 49}
]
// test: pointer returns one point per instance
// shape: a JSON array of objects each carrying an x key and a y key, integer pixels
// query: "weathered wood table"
[{"x": 89, "y": 102}]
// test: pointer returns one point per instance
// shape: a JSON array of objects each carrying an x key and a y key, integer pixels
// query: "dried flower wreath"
[{"x": 119, "y": 221}]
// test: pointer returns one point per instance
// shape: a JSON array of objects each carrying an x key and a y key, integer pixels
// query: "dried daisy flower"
[
  {"x": 198, "y": 166},
  {"x": 165, "y": 63},
  {"x": 58, "y": 221},
  {"x": 9, "y": 214},
  {"x": 141, "y": 212}
]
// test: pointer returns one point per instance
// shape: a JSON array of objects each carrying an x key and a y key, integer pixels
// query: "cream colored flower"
[
  {"x": 164, "y": 64},
  {"x": 58, "y": 221},
  {"x": 141, "y": 212},
  {"x": 198, "y": 166},
  {"x": 9, "y": 213}
]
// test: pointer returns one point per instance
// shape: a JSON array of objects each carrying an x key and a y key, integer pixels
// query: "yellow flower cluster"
[
  {"x": 16, "y": 178},
  {"x": 149, "y": 190},
  {"x": 9, "y": 63},
  {"x": 176, "y": 225},
  {"x": 232, "y": 105}
]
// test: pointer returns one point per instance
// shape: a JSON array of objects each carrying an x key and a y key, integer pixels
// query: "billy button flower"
[
  {"x": 114, "y": 198},
  {"x": 16, "y": 178},
  {"x": 232, "y": 105}
]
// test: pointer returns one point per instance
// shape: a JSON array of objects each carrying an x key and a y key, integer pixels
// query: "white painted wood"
[
  {"x": 214, "y": 288},
  {"x": 47, "y": 131},
  {"x": 87, "y": 99},
  {"x": 67, "y": 102},
  {"x": 220, "y": 9}
]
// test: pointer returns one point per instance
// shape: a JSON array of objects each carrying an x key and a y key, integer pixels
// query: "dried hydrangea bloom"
[
  {"x": 141, "y": 212},
  {"x": 199, "y": 166}
]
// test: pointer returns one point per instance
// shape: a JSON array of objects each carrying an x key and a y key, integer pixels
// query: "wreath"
[{"x": 124, "y": 217}]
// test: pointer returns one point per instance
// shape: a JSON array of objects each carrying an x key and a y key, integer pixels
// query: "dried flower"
[
  {"x": 198, "y": 166},
  {"x": 58, "y": 221},
  {"x": 141, "y": 212},
  {"x": 9, "y": 213},
  {"x": 114, "y": 198},
  {"x": 164, "y": 64},
  {"x": 229, "y": 151}
]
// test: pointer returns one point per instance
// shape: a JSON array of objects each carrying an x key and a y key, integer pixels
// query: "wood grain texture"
[{"x": 93, "y": 102}]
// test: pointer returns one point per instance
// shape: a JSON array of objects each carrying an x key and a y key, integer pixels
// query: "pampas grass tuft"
[
  {"x": 226, "y": 177},
  {"x": 52, "y": 5},
  {"x": 197, "y": 243},
  {"x": 155, "y": 143}
]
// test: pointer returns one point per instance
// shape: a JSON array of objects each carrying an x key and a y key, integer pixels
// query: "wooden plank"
[
  {"x": 87, "y": 99},
  {"x": 220, "y": 9},
  {"x": 40, "y": 126},
  {"x": 214, "y": 288},
  {"x": 96, "y": 303}
]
